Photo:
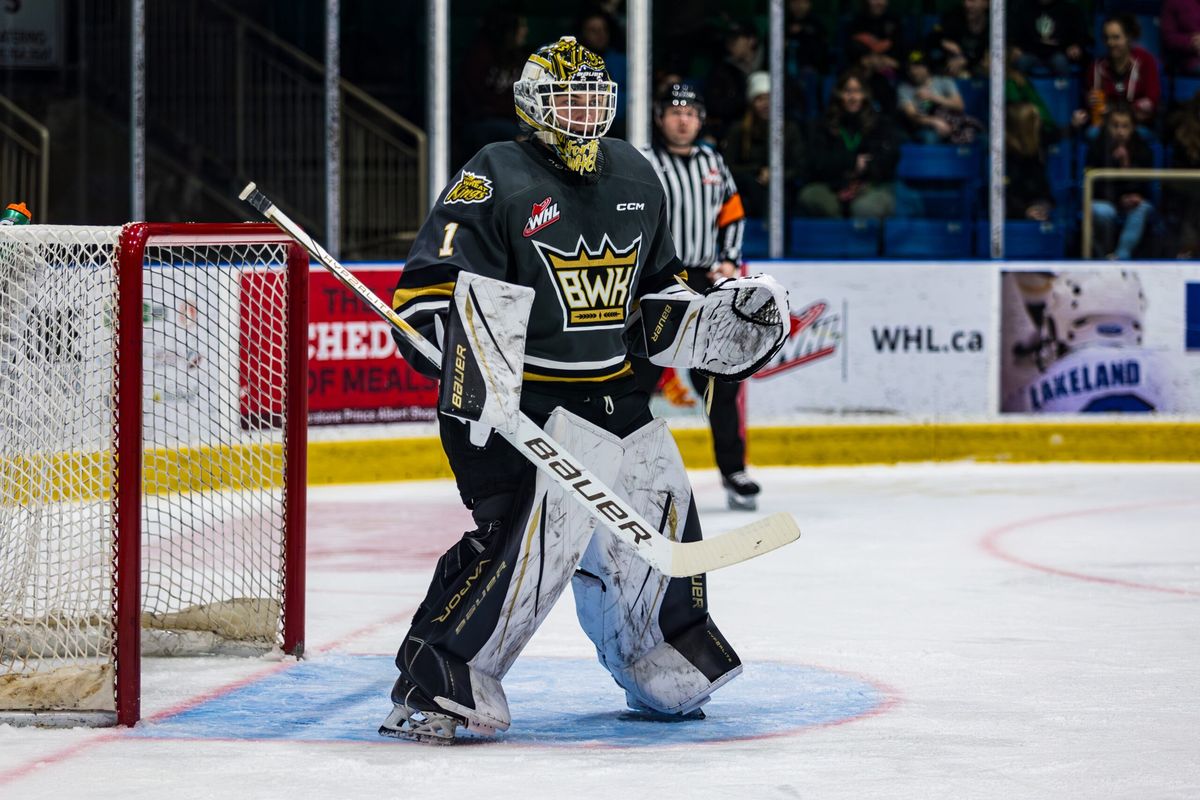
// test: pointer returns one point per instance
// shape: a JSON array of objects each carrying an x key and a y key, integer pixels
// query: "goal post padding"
[{"x": 195, "y": 543}]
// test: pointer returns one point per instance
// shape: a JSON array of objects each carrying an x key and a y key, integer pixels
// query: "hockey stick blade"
[
  {"x": 739, "y": 544},
  {"x": 675, "y": 559}
]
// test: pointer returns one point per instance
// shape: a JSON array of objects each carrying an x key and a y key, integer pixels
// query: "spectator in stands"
[
  {"x": 597, "y": 31},
  {"x": 1121, "y": 212},
  {"x": 747, "y": 149},
  {"x": 727, "y": 81},
  {"x": 806, "y": 57},
  {"x": 494, "y": 63},
  {"x": 1018, "y": 89},
  {"x": 1050, "y": 36},
  {"x": 1183, "y": 197},
  {"x": 1180, "y": 23},
  {"x": 852, "y": 156},
  {"x": 876, "y": 32},
  {"x": 963, "y": 34},
  {"x": 932, "y": 105},
  {"x": 806, "y": 40},
  {"x": 1126, "y": 72},
  {"x": 875, "y": 45},
  {"x": 1027, "y": 192}
]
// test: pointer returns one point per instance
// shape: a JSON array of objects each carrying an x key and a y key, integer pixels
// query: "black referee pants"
[{"x": 724, "y": 419}]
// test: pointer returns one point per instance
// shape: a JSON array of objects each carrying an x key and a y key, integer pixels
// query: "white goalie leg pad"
[
  {"x": 484, "y": 358},
  {"x": 555, "y": 532},
  {"x": 667, "y": 682},
  {"x": 729, "y": 332},
  {"x": 490, "y": 713},
  {"x": 618, "y": 597}
]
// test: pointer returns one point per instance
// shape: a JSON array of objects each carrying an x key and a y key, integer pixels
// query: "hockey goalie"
[{"x": 540, "y": 265}]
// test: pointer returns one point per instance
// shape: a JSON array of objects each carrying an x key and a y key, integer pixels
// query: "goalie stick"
[{"x": 674, "y": 559}]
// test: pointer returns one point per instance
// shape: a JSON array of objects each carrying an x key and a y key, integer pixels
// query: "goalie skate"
[
  {"x": 415, "y": 717},
  {"x": 431, "y": 727}
]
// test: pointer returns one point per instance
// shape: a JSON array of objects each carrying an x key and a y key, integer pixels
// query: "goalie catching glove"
[{"x": 728, "y": 333}]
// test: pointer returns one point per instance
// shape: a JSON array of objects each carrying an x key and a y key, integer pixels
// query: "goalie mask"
[
  {"x": 1095, "y": 307},
  {"x": 566, "y": 96}
]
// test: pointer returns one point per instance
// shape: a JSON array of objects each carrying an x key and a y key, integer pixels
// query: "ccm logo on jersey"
[
  {"x": 593, "y": 284},
  {"x": 543, "y": 214},
  {"x": 631, "y": 206}
]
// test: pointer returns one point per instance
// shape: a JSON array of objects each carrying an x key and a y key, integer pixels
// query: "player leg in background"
[
  {"x": 729, "y": 447},
  {"x": 653, "y": 633},
  {"x": 1105, "y": 222}
]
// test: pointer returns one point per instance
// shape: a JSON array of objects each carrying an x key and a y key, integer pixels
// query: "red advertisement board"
[{"x": 355, "y": 374}]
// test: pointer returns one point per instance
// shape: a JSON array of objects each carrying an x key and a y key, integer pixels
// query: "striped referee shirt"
[{"x": 704, "y": 209}]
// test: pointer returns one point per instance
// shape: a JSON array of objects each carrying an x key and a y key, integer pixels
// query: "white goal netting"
[{"x": 212, "y": 324}]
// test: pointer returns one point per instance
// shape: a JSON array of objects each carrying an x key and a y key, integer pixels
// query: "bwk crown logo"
[
  {"x": 593, "y": 285},
  {"x": 543, "y": 214},
  {"x": 471, "y": 188}
]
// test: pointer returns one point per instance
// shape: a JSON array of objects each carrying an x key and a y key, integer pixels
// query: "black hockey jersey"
[{"x": 588, "y": 247}]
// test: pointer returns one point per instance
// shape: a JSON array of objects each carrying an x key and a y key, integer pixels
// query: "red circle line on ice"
[{"x": 991, "y": 543}]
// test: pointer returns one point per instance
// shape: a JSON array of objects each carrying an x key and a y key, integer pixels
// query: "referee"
[{"x": 706, "y": 218}]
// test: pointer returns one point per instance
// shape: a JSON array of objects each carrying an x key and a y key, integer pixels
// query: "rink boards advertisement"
[
  {"x": 889, "y": 339},
  {"x": 355, "y": 373},
  {"x": 1101, "y": 337},
  {"x": 893, "y": 340}
]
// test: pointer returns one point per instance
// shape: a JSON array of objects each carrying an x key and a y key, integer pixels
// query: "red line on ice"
[{"x": 990, "y": 543}]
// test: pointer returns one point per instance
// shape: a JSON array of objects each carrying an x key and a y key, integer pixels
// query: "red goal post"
[{"x": 197, "y": 544}]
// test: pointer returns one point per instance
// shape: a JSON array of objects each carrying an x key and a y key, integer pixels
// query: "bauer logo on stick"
[{"x": 471, "y": 188}]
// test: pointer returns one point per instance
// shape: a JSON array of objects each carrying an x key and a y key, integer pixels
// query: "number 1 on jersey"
[{"x": 447, "y": 248}]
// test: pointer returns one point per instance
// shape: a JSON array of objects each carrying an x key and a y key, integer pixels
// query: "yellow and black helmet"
[{"x": 565, "y": 90}]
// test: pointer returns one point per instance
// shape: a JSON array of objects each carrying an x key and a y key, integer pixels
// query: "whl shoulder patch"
[{"x": 471, "y": 188}]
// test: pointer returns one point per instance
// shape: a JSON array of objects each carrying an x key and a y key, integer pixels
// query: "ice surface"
[{"x": 949, "y": 630}]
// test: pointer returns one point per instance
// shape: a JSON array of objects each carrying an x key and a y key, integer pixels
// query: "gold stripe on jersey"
[
  {"x": 582, "y": 377},
  {"x": 403, "y": 297}
]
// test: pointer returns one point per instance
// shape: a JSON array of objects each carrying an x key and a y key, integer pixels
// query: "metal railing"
[
  {"x": 24, "y": 160},
  {"x": 236, "y": 102},
  {"x": 1116, "y": 173}
]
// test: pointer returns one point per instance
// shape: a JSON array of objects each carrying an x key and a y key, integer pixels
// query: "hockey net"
[{"x": 185, "y": 344}]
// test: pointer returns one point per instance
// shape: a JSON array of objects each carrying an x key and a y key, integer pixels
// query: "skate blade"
[
  {"x": 738, "y": 502},
  {"x": 434, "y": 729},
  {"x": 407, "y": 734}
]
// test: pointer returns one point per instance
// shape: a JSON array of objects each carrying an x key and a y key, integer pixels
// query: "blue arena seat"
[
  {"x": 974, "y": 93},
  {"x": 1185, "y": 87},
  {"x": 945, "y": 176},
  {"x": 1060, "y": 171},
  {"x": 834, "y": 238},
  {"x": 1151, "y": 38},
  {"x": 1024, "y": 239},
  {"x": 926, "y": 238},
  {"x": 1061, "y": 96}
]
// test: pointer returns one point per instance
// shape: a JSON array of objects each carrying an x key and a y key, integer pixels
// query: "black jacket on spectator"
[
  {"x": 725, "y": 100},
  {"x": 1100, "y": 154},
  {"x": 1025, "y": 184},
  {"x": 1043, "y": 30},
  {"x": 807, "y": 44},
  {"x": 832, "y": 153},
  {"x": 974, "y": 46},
  {"x": 884, "y": 27},
  {"x": 746, "y": 152}
]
